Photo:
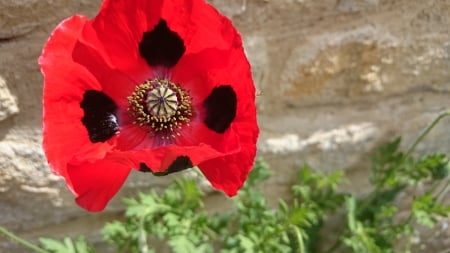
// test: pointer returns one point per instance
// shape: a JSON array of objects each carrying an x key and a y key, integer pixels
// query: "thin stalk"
[
  {"x": 143, "y": 246},
  {"x": 301, "y": 243},
  {"x": 302, "y": 246},
  {"x": 21, "y": 241},
  {"x": 413, "y": 147},
  {"x": 408, "y": 153},
  {"x": 425, "y": 133},
  {"x": 441, "y": 194}
]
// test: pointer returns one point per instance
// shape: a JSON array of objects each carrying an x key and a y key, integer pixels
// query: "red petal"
[
  {"x": 64, "y": 136},
  {"x": 229, "y": 169},
  {"x": 113, "y": 82},
  {"x": 192, "y": 72},
  {"x": 94, "y": 184},
  {"x": 159, "y": 159},
  {"x": 238, "y": 75},
  {"x": 197, "y": 133},
  {"x": 120, "y": 24},
  {"x": 117, "y": 30},
  {"x": 229, "y": 173},
  {"x": 199, "y": 24},
  {"x": 200, "y": 73}
]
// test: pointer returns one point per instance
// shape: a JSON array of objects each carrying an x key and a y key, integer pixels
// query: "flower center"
[
  {"x": 161, "y": 102},
  {"x": 162, "y": 106}
]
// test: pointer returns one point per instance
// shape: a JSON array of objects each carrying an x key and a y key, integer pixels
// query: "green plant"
[
  {"x": 176, "y": 216},
  {"x": 372, "y": 223}
]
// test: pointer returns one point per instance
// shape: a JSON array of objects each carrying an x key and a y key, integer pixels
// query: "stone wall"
[{"x": 335, "y": 79}]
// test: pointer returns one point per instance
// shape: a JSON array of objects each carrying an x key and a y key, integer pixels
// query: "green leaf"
[
  {"x": 67, "y": 246},
  {"x": 436, "y": 164},
  {"x": 425, "y": 207},
  {"x": 246, "y": 243},
  {"x": 258, "y": 174},
  {"x": 350, "y": 204},
  {"x": 181, "y": 244},
  {"x": 82, "y": 246},
  {"x": 54, "y": 246}
]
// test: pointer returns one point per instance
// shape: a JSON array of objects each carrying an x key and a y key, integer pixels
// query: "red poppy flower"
[{"x": 152, "y": 85}]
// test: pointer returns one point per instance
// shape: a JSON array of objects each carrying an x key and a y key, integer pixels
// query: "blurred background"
[{"x": 335, "y": 78}]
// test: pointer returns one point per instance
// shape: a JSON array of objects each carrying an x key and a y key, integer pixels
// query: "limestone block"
[
  {"x": 18, "y": 17},
  {"x": 8, "y": 105},
  {"x": 230, "y": 8},
  {"x": 350, "y": 6}
]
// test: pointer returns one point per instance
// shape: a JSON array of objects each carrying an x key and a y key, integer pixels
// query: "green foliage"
[
  {"x": 66, "y": 246},
  {"x": 372, "y": 223},
  {"x": 173, "y": 215},
  {"x": 177, "y": 219}
]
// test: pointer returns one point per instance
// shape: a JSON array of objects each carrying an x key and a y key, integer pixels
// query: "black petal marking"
[
  {"x": 220, "y": 108},
  {"x": 161, "y": 46},
  {"x": 144, "y": 168},
  {"x": 99, "y": 116},
  {"x": 179, "y": 164}
]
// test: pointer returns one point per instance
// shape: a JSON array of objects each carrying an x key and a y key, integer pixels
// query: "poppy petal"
[
  {"x": 235, "y": 78},
  {"x": 161, "y": 46},
  {"x": 160, "y": 159},
  {"x": 222, "y": 88},
  {"x": 220, "y": 108},
  {"x": 118, "y": 41},
  {"x": 179, "y": 164},
  {"x": 192, "y": 72},
  {"x": 113, "y": 82},
  {"x": 99, "y": 117},
  {"x": 94, "y": 184},
  {"x": 228, "y": 173},
  {"x": 64, "y": 136},
  {"x": 199, "y": 24}
]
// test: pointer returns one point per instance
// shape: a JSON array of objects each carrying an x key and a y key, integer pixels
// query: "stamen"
[{"x": 162, "y": 106}]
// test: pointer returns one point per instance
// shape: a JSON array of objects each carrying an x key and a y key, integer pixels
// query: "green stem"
[
  {"x": 301, "y": 243},
  {"x": 413, "y": 147},
  {"x": 441, "y": 194},
  {"x": 372, "y": 196},
  {"x": 143, "y": 246},
  {"x": 426, "y": 132},
  {"x": 430, "y": 191},
  {"x": 21, "y": 241}
]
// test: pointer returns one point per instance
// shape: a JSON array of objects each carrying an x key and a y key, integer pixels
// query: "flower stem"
[
  {"x": 295, "y": 238},
  {"x": 369, "y": 199},
  {"x": 440, "y": 195},
  {"x": 21, "y": 241},
  {"x": 426, "y": 132},
  {"x": 143, "y": 246}
]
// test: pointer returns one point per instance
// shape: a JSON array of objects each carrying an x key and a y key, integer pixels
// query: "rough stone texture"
[
  {"x": 335, "y": 79},
  {"x": 19, "y": 17},
  {"x": 8, "y": 105}
]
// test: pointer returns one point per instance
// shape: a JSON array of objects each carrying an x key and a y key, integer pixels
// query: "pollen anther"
[{"x": 162, "y": 106}]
